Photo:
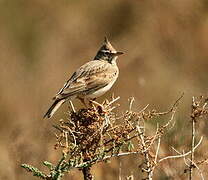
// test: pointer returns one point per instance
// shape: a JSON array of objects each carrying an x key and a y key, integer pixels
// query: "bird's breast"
[{"x": 101, "y": 91}]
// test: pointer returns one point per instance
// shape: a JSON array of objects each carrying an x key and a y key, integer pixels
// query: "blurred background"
[{"x": 42, "y": 42}]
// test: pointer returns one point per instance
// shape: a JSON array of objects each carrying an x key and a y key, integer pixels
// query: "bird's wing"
[{"x": 89, "y": 77}]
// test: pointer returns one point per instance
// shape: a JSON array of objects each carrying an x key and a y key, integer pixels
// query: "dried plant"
[
  {"x": 97, "y": 134},
  {"x": 90, "y": 136},
  {"x": 151, "y": 160},
  {"x": 146, "y": 142},
  {"x": 93, "y": 135},
  {"x": 199, "y": 109}
]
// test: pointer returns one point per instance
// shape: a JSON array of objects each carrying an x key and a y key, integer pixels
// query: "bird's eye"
[{"x": 106, "y": 53}]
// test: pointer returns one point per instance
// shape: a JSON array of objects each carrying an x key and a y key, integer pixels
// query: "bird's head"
[{"x": 107, "y": 52}]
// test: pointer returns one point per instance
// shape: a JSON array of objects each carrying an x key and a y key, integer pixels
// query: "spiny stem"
[
  {"x": 87, "y": 174},
  {"x": 193, "y": 131},
  {"x": 192, "y": 149}
]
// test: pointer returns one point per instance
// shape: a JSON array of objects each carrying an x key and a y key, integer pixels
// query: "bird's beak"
[{"x": 118, "y": 53}]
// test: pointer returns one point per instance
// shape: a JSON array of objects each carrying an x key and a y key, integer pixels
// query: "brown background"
[{"x": 42, "y": 42}]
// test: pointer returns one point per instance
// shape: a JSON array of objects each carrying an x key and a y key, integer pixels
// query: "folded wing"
[{"x": 92, "y": 76}]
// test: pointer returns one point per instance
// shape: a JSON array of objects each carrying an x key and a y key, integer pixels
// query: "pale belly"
[{"x": 100, "y": 92}]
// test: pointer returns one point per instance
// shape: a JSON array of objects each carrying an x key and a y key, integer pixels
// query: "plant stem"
[
  {"x": 192, "y": 150},
  {"x": 148, "y": 169},
  {"x": 87, "y": 174},
  {"x": 193, "y": 132}
]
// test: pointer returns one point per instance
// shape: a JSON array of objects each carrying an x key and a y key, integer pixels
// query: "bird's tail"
[{"x": 54, "y": 107}]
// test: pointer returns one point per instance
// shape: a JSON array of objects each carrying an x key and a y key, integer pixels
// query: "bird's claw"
[{"x": 98, "y": 106}]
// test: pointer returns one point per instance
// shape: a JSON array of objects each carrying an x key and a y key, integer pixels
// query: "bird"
[{"x": 91, "y": 80}]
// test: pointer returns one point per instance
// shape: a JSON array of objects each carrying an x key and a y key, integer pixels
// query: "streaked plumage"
[{"x": 91, "y": 80}]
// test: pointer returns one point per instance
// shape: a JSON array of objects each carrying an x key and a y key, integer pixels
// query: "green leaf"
[
  {"x": 36, "y": 172},
  {"x": 49, "y": 165}
]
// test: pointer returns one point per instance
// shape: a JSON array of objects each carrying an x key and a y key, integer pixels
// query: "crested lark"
[{"x": 91, "y": 80}]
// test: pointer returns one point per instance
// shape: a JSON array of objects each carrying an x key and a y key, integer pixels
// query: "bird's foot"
[
  {"x": 83, "y": 102},
  {"x": 97, "y": 105}
]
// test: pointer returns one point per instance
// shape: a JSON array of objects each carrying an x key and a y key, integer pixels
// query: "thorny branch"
[
  {"x": 146, "y": 142},
  {"x": 180, "y": 154},
  {"x": 94, "y": 135},
  {"x": 198, "y": 109},
  {"x": 97, "y": 134},
  {"x": 193, "y": 120}
]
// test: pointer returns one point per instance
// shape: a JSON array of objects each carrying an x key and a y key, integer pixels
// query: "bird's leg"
[
  {"x": 91, "y": 101},
  {"x": 72, "y": 106},
  {"x": 83, "y": 101},
  {"x": 100, "y": 106}
]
